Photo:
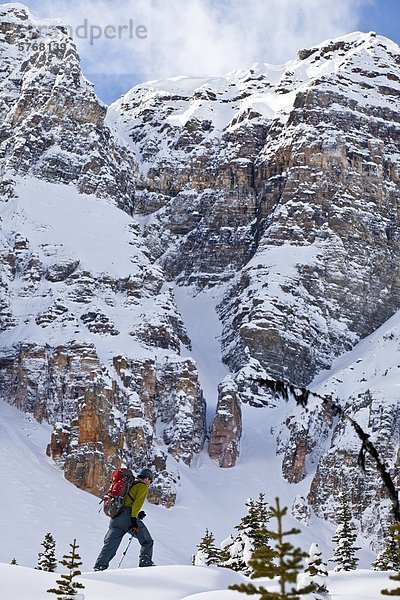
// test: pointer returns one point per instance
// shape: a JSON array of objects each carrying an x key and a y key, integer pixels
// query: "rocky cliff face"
[
  {"x": 51, "y": 120},
  {"x": 279, "y": 184},
  {"x": 334, "y": 172},
  {"x": 285, "y": 181},
  {"x": 93, "y": 346}
]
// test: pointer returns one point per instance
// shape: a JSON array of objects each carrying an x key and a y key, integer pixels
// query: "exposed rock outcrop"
[
  {"x": 226, "y": 428},
  {"x": 318, "y": 444},
  {"x": 151, "y": 410}
]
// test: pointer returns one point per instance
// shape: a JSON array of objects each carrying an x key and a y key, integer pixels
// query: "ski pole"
[{"x": 125, "y": 551}]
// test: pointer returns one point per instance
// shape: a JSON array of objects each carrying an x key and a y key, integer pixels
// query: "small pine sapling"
[
  {"x": 66, "y": 585},
  {"x": 284, "y": 561},
  {"x": 315, "y": 573},
  {"x": 396, "y": 576},
  {"x": 252, "y": 535},
  {"x": 47, "y": 559},
  {"x": 254, "y": 529},
  {"x": 207, "y": 552},
  {"x": 344, "y": 538}
]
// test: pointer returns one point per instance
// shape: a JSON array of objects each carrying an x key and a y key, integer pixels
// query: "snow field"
[{"x": 175, "y": 582}]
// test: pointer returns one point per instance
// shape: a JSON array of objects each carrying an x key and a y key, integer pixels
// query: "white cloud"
[
  {"x": 214, "y": 37},
  {"x": 200, "y": 37}
]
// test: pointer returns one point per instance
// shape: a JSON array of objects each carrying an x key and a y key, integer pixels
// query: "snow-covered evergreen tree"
[
  {"x": 396, "y": 576},
  {"x": 47, "y": 559},
  {"x": 283, "y": 561},
  {"x": 252, "y": 535},
  {"x": 224, "y": 552},
  {"x": 232, "y": 553},
  {"x": 67, "y": 587},
  {"x": 344, "y": 538},
  {"x": 316, "y": 573},
  {"x": 14, "y": 562},
  {"x": 207, "y": 552},
  {"x": 389, "y": 558},
  {"x": 254, "y": 524}
]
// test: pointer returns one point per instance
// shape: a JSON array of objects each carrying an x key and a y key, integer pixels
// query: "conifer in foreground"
[
  {"x": 67, "y": 587},
  {"x": 47, "y": 559},
  {"x": 284, "y": 561},
  {"x": 396, "y": 576}
]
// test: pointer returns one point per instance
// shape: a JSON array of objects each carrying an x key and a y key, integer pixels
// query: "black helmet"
[{"x": 145, "y": 472}]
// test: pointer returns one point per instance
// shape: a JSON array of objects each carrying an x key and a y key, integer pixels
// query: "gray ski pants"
[{"x": 119, "y": 526}]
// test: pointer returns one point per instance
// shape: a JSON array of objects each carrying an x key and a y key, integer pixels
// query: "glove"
[
  {"x": 141, "y": 515},
  {"x": 135, "y": 526}
]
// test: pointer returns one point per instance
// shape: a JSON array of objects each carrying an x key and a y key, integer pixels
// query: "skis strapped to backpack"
[{"x": 121, "y": 482}]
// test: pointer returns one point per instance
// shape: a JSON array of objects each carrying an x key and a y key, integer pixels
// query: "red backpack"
[{"x": 121, "y": 482}]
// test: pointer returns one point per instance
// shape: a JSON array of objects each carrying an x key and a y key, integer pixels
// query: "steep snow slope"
[
  {"x": 198, "y": 312},
  {"x": 85, "y": 235},
  {"x": 204, "y": 489},
  {"x": 41, "y": 500},
  {"x": 37, "y": 496}
]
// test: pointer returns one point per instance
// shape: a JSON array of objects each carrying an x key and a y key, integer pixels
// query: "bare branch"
[{"x": 301, "y": 395}]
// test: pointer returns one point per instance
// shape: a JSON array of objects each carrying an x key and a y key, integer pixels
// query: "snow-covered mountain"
[
  {"x": 161, "y": 257},
  {"x": 284, "y": 181},
  {"x": 90, "y": 332}
]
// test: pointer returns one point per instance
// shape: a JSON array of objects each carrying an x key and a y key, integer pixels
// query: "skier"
[{"x": 130, "y": 520}]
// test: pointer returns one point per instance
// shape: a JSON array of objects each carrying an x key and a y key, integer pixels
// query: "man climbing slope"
[{"x": 129, "y": 520}]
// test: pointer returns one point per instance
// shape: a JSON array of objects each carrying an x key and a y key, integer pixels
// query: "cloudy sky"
[{"x": 124, "y": 42}]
